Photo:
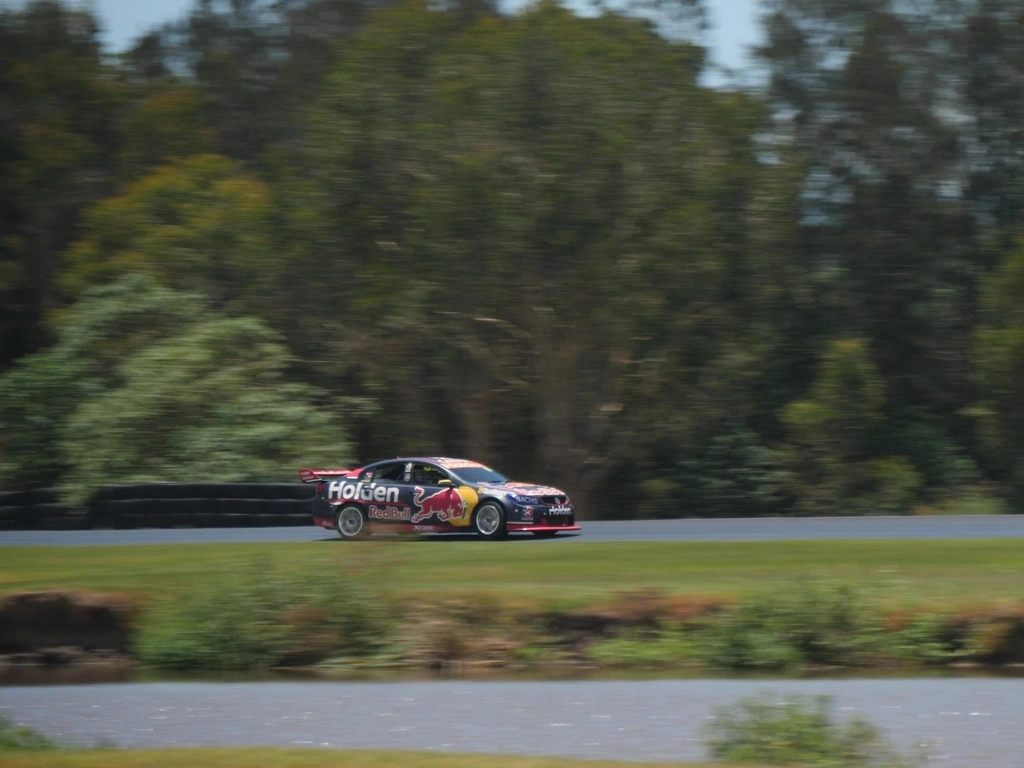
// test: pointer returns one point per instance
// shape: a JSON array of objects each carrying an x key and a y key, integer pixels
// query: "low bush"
[
  {"x": 797, "y": 731},
  {"x": 261, "y": 618},
  {"x": 19, "y": 737},
  {"x": 670, "y": 647},
  {"x": 809, "y": 623}
]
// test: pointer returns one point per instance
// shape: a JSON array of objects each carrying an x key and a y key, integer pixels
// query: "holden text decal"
[{"x": 362, "y": 492}]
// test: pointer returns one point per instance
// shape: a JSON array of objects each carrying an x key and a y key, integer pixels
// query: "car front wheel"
[
  {"x": 351, "y": 522},
  {"x": 489, "y": 521}
]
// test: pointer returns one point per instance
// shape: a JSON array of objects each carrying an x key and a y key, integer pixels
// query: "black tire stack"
[
  {"x": 163, "y": 505},
  {"x": 38, "y": 510}
]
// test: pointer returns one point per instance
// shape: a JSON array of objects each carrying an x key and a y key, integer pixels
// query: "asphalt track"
[{"x": 725, "y": 529}]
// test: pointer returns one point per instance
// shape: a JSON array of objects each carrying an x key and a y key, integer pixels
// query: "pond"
[{"x": 968, "y": 722}]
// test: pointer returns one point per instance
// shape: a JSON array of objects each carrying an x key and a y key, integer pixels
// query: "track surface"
[
  {"x": 971, "y": 722},
  {"x": 729, "y": 529}
]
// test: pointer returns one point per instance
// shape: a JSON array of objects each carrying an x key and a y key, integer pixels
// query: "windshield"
[{"x": 474, "y": 475}]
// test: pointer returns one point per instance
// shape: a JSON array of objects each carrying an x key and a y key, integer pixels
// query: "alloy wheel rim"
[
  {"x": 351, "y": 522},
  {"x": 487, "y": 520}
]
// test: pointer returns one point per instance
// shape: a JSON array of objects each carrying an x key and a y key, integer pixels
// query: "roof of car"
[{"x": 444, "y": 461}]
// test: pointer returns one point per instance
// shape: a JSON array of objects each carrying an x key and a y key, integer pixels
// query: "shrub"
[
  {"x": 17, "y": 737},
  {"x": 811, "y": 623},
  {"x": 259, "y": 619},
  {"x": 797, "y": 731},
  {"x": 926, "y": 639},
  {"x": 670, "y": 646}
]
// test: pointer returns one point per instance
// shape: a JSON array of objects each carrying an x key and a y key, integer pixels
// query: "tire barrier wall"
[{"x": 163, "y": 505}]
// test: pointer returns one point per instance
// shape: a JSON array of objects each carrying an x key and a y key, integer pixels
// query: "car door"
[
  {"x": 390, "y": 499},
  {"x": 435, "y": 500}
]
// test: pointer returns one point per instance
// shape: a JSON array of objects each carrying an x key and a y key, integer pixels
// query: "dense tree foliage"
[
  {"x": 574, "y": 214},
  {"x": 200, "y": 224},
  {"x": 533, "y": 238},
  {"x": 147, "y": 383},
  {"x": 58, "y": 152}
]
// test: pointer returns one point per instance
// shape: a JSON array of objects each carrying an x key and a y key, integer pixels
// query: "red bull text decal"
[{"x": 388, "y": 513}]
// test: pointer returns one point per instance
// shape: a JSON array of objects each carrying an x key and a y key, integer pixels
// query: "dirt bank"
[{"x": 68, "y": 634}]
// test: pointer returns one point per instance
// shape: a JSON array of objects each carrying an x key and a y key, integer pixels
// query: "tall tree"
[
  {"x": 257, "y": 65},
  {"x": 58, "y": 152},
  {"x": 548, "y": 235},
  {"x": 1000, "y": 360},
  {"x": 199, "y": 224},
  {"x": 891, "y": 241}
]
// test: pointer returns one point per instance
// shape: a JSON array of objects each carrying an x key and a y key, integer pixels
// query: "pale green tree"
[
  {"x": 210, "y": 404},
  {"x": 837, "y": 453},
  {"x": 1000, "y": 365},
  {"x": 149, "y": 384}
]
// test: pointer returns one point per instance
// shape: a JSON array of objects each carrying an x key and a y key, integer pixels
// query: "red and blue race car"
[{"x": 435, "y": 495}]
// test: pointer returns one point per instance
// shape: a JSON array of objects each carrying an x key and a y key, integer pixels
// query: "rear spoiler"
[{"x": 316, "y": 475}]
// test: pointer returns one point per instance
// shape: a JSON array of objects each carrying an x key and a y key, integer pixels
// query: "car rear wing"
[{"x": 317, "y": 475}]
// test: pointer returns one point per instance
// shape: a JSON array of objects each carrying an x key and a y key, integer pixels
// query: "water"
[{"x": 969, "y": 722}]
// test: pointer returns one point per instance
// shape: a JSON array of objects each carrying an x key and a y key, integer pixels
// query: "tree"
[
  {"x": 257, "y": 65},
  {"x": 836, "y": 438},
  {"x": 209, "y": 404},
  {"x": 149, "y": 384},
  {"x": 200, "y": 224},
  {"x": 58, "y": 147},
  {"x": 897, "y": 223},
  {"x": 41, "y": 392},
  {"x": 1000, "y": 365},
  {"x": 548, "y": 232}
]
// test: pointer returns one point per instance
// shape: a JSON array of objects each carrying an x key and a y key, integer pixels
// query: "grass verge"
[
  {"x": 562, "y": 574},
  {"x": 778, "y": 606}
]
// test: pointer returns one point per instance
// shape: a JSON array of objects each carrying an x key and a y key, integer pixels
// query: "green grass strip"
[{"x": 569, "y": 573}]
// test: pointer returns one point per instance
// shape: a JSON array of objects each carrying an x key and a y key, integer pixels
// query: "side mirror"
[{"x": 444, "y": 482}]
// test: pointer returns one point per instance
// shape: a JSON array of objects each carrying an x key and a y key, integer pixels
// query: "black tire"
[
  {"x": 489, "y": 521},
  {"x": 351, "y": 522},
  {"x": 545, "y": 534}
]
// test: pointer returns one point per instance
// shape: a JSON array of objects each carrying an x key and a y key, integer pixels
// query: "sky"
[{"x": 733, "y": 30}]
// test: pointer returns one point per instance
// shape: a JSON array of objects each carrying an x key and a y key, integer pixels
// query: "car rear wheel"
[
  {"x": 489, "y": 521},
  {"x": 351, "y": 522}
]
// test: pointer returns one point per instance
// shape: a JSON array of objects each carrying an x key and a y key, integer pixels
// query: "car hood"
[{"x": 522, "y": 489}]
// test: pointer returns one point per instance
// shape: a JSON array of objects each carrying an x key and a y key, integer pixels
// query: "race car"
[{"x": 434, "y": 495}]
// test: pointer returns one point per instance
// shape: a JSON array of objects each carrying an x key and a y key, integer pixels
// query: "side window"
[
  {"x": 389, "y": 473},
  {"x": 425, "y": 474},
  {"x": 366, "y": 476}
]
